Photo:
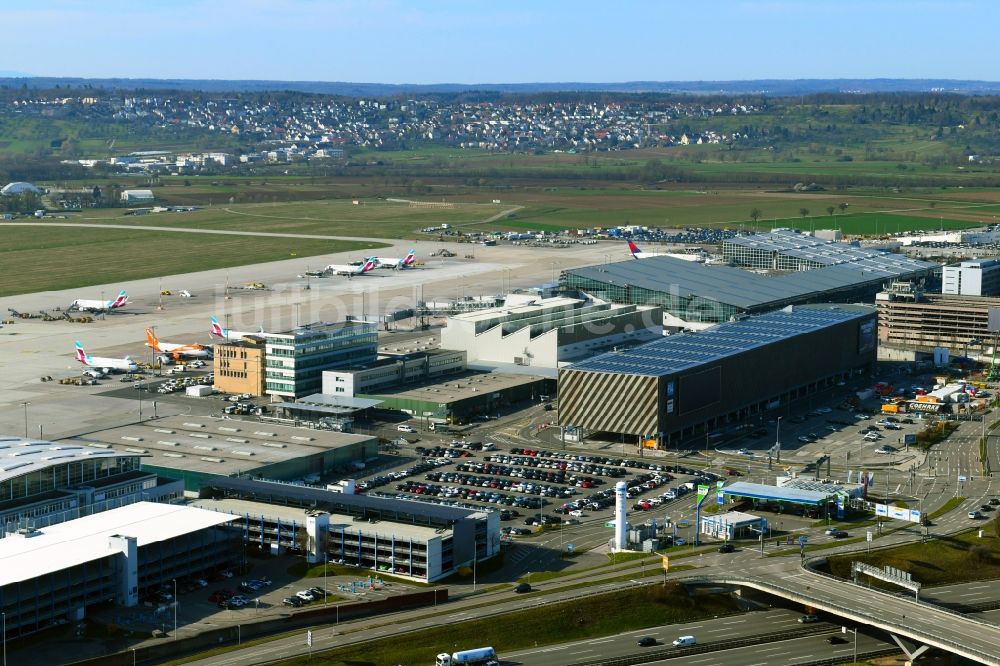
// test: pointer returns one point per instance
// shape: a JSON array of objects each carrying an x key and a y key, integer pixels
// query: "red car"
[{"x": 220, "y": 595}]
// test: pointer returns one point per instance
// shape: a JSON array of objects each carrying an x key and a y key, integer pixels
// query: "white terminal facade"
[
  {"x": 978, "y": 277},
  {"x": 43, "y": 483},
  {"x": 55, "y": 573},
  {"x": 549, "y": 332}
]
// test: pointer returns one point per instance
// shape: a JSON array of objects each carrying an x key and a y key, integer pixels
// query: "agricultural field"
[
  {"x": 554, "y": 209},
  {"x": 34, "y": 258}
]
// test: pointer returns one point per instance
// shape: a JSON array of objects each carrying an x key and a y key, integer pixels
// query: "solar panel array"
[
  {"x": 679, "y": 352},
  {"x": 831, "y": 253}
]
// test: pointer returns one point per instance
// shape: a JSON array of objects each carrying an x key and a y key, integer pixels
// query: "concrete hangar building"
[
  {"x": 690, "y": 384},
  {"x": 697, "y": 296},
  {"x": 198, "y": 449},
  {"x": 418, "y": 540}
]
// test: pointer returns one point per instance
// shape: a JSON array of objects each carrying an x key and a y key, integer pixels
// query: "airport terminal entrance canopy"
[{"x": 760, "y": 491}]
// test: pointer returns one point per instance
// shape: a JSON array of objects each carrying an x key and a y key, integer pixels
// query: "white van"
[{"x": 684, "y": 641}]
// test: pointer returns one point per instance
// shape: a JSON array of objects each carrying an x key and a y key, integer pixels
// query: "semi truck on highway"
[{"x": 484, "y": 656}]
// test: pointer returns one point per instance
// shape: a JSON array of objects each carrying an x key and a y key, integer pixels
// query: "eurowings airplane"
[
  {"x": 350, "y": 271},
  {"x": 639, "y": 254},
  {"x": 174, "y": 350},
  {"x": 105, "y": 364},
  {"x": 84, "y": 305},
  {"x": 220, "y": 332},
  {"x": 396, "y": 262}
]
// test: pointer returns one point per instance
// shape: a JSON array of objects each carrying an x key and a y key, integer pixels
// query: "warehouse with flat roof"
[
  {"x": 198, "y": 448},
  {"x": 696, "y": 296},
  {"x": 685, "y": 386},
  {"x": 55, "y": 573}
]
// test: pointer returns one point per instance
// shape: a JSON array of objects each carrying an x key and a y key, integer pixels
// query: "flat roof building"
[
  {"x": 117, "y": 556},
  {"x": 911, "y": 320},
  {"x": 460, "y": 397},
  {"x": 198, "y": 448},
  {"x": 548, "y": 332},
  {"x": 238, "y": 366},
  {"x": 43, "y": 483},
  {"x": 979, "y": 277},
  {"x": 295, "y": 360},
  {"x": 685, "y": 386},
  {"x": 407, "y": 538},
  {"x": 392, "y": 370}
]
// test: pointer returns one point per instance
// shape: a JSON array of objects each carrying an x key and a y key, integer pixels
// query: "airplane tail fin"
[
  {"x": 633, "y": 249},
  {"x": 217, "y": 329},
  {"x": 119, "y": 301},
  {"x": 151, "y": 339},
  {"x": 410, "y": 258},
  {"x": 368, "y": 265},
  {"x": 81, "y": 355}
]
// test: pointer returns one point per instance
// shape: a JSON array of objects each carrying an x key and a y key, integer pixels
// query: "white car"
[
  {"x": 305, "y": 595},
  {"x": 403, "y": 427}
]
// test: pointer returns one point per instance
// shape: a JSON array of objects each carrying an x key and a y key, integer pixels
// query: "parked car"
[
  {"x": 294, "y": 602},
  {"x": 305, "y": 595},
  {"x": 403, "y": 427}
]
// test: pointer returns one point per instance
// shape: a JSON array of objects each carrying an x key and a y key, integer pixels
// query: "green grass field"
[
  {"x": 336, "y": 217},
  {"x": 39, "y": 259},
  {"x": 940, "y": 561}
]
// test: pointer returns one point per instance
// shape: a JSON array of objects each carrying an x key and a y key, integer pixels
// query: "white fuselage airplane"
[
  {"x": 350, "y": 271},
  {"x": 174, "y": 350},
  {"x": 105, "y": 364},
  {"x": 396, "y": 262},
  {"x": 84, "y": 305},
  {"x": 639, "y": 254},
  {"x": 229, "y": 335}
]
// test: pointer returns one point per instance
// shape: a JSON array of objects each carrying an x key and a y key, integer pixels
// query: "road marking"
[
  {"x": 735, "y": 622},
  {"x": 603, "y": 640},
  {"x": 808, "y": 656}
]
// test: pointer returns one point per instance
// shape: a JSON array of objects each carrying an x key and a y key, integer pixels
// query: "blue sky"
[{"x": 503, "y": 41}]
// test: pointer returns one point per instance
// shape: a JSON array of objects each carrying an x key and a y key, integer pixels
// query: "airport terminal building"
[
  {"x": 549, "y": 332},
  {"x": 54, "y": 574},
  {"x": 696, "y": 296},
  {"x": 688, "y": 385},
  {"x": 44, "y": 483}
]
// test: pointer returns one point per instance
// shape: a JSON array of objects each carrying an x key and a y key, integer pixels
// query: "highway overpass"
[{"x": 920, "y": 622}]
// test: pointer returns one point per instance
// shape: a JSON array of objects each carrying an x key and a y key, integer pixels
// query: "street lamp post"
[
  {"x": 175, "y": 609},
  {"x": 326, "y": 590},
  {"x": 4, "y": 616},
  {"x": 25, "y": 405},
  {"x": 777, "y": 442}
]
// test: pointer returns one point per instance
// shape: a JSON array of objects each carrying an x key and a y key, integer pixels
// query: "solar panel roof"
[{"x": 678, "y": 352}]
